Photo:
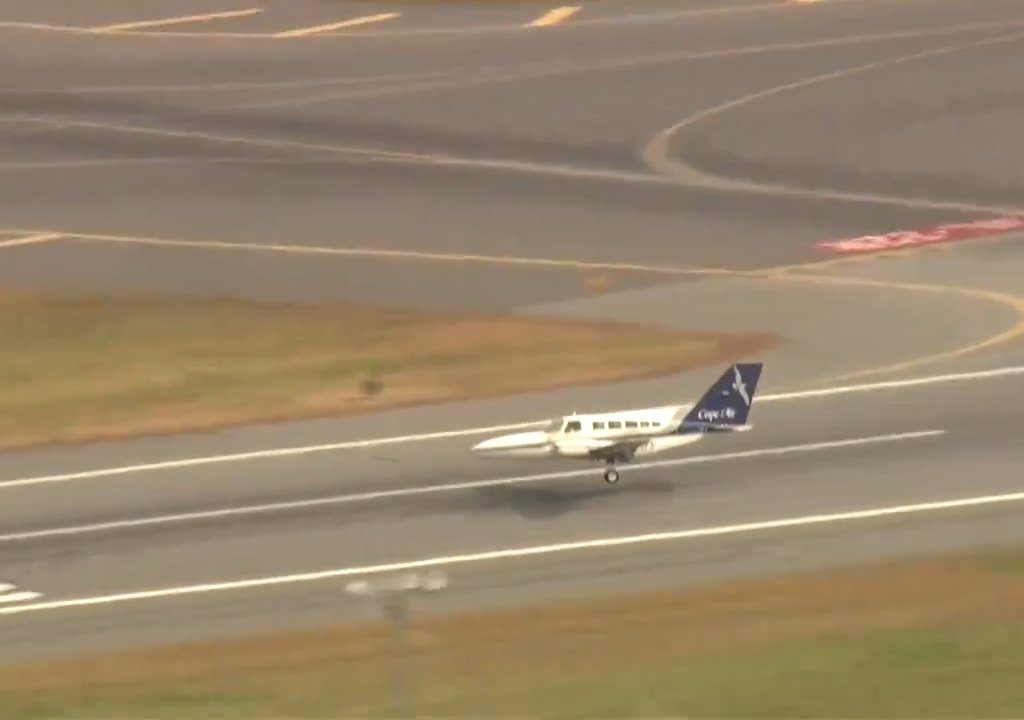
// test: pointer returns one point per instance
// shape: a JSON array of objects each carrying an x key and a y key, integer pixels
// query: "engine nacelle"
[{"x": 571, "y": 449}]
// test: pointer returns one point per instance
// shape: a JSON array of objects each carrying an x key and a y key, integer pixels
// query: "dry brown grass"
[
  {"x": 97, "y": 368},
  {"x": 590, "y": 639}
]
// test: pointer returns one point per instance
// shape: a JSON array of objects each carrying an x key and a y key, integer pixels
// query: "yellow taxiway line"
[
  {"x": 353, "y": 22},
  {"x": 555, "y": 16},
  {"x": 176, "y": 20}
]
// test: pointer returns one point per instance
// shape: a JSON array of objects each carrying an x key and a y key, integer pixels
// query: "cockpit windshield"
[{"x": 564, "y": 425}]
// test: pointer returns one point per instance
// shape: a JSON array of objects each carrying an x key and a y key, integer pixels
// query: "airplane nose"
[{"x": 490, "y": 444}]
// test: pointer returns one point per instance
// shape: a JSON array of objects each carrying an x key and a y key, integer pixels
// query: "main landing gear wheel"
[{"x": 611, "y": 476}]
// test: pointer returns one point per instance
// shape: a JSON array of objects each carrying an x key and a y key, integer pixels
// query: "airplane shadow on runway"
[{"x": 538, "y": 503}]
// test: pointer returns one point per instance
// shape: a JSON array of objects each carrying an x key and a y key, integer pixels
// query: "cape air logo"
[
  {"x": 716, "y": 415},
  {"x": 739, "y": 386}
]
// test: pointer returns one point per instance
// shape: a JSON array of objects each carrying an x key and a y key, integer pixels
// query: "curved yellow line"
[
  {"x": 1013, "y": 302},
  {"x": 657, "y": 154}
]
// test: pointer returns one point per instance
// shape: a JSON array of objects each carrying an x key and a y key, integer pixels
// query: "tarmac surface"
[{"x": 660, "y": 162}]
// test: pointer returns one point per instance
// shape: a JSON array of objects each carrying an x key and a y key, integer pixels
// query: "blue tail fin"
[{"x": 726, "y": 403}]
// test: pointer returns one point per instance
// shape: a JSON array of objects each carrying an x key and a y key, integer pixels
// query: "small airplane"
[{"x": 617, "y": 437}]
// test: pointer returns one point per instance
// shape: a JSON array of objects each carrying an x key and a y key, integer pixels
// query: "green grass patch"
[
  {"x": 87, "y": 369},
  {"x": 938, "y": 638}
]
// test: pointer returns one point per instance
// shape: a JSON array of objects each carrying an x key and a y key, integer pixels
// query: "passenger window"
[
  {"x": 599, "y": 426},
  {"x": 644, "y": 423},
  {"x": 631, "y": 423},
  {"x": 614, "y": 425}
]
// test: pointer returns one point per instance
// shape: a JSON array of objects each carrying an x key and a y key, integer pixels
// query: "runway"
[{"x": 689, "y": 156}]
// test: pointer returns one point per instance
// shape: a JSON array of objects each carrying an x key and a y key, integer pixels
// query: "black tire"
[{"x": 611, "y": 476}]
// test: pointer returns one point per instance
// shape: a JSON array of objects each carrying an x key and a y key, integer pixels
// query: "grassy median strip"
[
  {"x": 936, "y": 638},
  {"x": 83, "y": 369}
]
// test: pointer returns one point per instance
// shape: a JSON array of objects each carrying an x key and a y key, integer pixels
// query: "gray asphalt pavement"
[
  {"x": 977, "y": 456},
  {"x": 455, "y": 130},
  {"x": 387, "y": 528}
]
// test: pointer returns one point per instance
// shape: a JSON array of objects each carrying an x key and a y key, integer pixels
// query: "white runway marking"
[
  {"x": 446, "y": 434},
  {"x": 341, "y": 25},
  {"x": 555, "y": 16},
  {"x": 176, "y": 20},
  {"x": 452, "y": 487},
  {"x": 30, "y": 240},
  {"x": 522, "y": 552},
  {"x": 9, "y": 594},
  {"x": 17, "y": 597}
]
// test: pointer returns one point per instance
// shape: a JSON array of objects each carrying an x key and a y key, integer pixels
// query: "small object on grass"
[{"x": 371, "y": 386}]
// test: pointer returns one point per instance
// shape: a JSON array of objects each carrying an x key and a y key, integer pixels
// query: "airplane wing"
[{"x": 602, "y": 449}]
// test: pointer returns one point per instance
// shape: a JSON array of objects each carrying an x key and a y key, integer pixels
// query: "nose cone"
[{"x": 512, "y": 443}]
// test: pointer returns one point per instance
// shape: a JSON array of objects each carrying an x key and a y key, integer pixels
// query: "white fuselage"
[{"x": 577, "y": 436}]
